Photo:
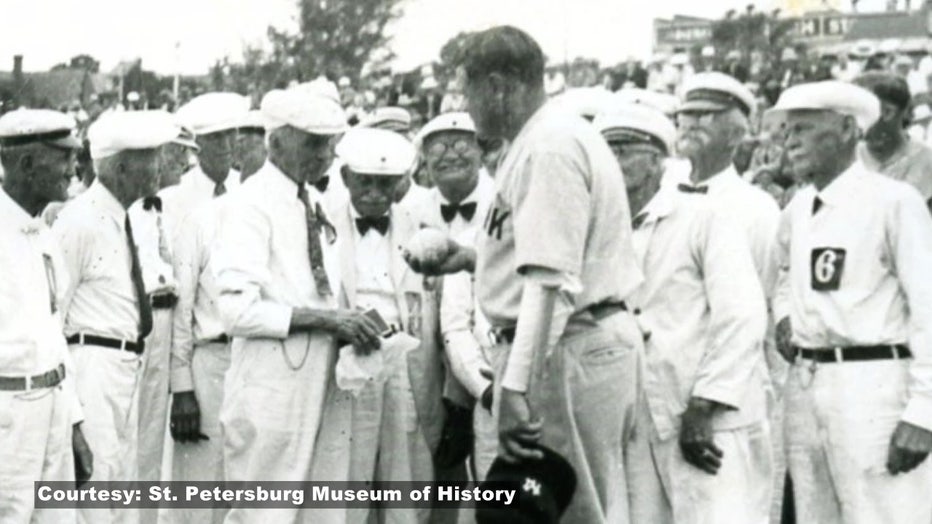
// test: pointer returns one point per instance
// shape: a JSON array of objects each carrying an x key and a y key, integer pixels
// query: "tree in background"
[{"x": 751, "y": 31}]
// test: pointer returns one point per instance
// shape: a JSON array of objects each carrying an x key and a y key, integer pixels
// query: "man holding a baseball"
[{"x": 552, "y": 264}]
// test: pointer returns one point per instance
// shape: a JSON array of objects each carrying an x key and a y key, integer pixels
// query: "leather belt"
[
  {"x": 598, "y": 311},
  {"x": 112, "y": 343},
  {"x": 222, "y": 339},
  {"x": 49, "y": 379},
  {"x": 854, "y": 353},
  {"x": 165, "y": 301}
]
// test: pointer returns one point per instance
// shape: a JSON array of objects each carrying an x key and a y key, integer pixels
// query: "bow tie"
[
  {"x": 322, "y": 184},
  {"x": 152, "y": 202},
  {"x": 380, "y": 224},
  {"x": 686, "y": 188},
  {"x": 449, "y": 211}
]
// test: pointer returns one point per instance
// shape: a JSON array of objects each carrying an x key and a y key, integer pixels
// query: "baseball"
[{"x": 428, "y": 246}]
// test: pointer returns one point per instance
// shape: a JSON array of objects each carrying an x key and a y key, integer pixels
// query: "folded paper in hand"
[{"x": 354, "y": 371}]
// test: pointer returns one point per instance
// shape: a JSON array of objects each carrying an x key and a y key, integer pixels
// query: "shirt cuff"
[
  {"x": 918, "y": 412},
  {"x": 723, "y": 396},
  {"x": 182, "y": 379}
]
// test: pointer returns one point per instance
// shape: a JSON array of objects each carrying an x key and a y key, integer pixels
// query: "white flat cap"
[
  {"x": 714, "y": 91},
  {"x": 27, "y": 126},
  {"x": 371, "y": 151},
  {"x": 458, "y": 121},
  {"x": 832, "y": 95},
  {"x": 663, "y": 102},
  {"x": 322, "y": 86},
  {"x": 393, "y": 118},
  {"x": 303, "y": 109},
  {"x": 252, "y": 120},
  {"x": 213, "y": 112},
  {"x": 127, "y": 130},
  {"x": 586, "y": 101},
  {"x": 637, "y": 123}
]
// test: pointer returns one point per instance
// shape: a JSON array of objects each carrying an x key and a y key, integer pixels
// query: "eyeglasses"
[{"x": 461, "y": 147}]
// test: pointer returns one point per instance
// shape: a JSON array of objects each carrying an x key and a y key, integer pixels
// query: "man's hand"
[
  {"x": 357, "y": 329},
  {"x": 83, "y": 457},
  {"x": 908, "y": 448},
  {"x": 459, "y": 258},
  {"x": 185, "y": 423},
  {"x": 517, "y": 433},
  {"x": 697, "y": 440},
  {"x": 784, "y": 335}
]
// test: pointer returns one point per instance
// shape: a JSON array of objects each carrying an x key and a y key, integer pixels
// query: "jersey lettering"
[
  {"x": 494, "y": 222},
  {"x": 827, "y": 264}
]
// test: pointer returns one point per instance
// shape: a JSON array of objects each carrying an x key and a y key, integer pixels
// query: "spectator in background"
[
  {"x": 919, "y": 124},
  {"x": 887, "y": 147},
  {"x": 733, "y": 66},
  {"x": 634, "y": 73}
]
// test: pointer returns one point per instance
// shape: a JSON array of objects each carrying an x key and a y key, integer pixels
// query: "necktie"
[
  {"x": 380, "y": 224},
  {"x": 145, "y": 307},
  {"x": 816, "y": 205},
  {"x": 220, "y": 189},
  {"x": 638, "y": 221},
  {"x": 686, "y": 188},
  {"x": 449, "y": 211},
  {"x": 322, "y": 184},
  {"x": 315, "y": 221}
]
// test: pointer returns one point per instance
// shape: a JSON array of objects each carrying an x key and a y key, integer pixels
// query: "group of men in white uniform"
[{"x": 273, "y": 324}]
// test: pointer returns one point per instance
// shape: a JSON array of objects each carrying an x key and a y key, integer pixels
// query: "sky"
[{"x": 187, "y": 36}]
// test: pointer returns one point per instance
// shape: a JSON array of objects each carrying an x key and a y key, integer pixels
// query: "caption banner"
[{"x": 274, "y": 494}]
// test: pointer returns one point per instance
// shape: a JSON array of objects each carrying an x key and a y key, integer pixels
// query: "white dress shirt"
[
  {"x": 194, "y": 189},
  {"x": 755, "y": 211},
  {"x": 482, "y": 196},
  {"x": 101, "y": 299},
  {"x": 261, "y": 261},
  {"x": 856, "y": 272},
  {"x": 415, "y": 199},
  {"x": 155, "y": 252},
  {"x": 374, "y": 287},
  {"x": 32, "y": 288},
  {"x": 196, "y": 319},
  {"x": 704, "y": 310}
]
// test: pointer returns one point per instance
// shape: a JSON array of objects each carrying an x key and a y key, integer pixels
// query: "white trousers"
[
  {"x": 272, "y": 405},
  {"x": 153, "y": 396},
  {"x": 839, "y": 421},
  {"x": 203, "y": 460},
  {"x": 107, "y": 384},
  {"x": 35, "y": 445},
  {"x": 665, "y": 489}
]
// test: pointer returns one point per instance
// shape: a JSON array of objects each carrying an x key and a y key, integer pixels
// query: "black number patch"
[{"x": 827, "y": 264}]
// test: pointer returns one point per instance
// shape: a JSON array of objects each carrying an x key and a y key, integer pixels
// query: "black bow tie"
[
  {"x": 322, "y": 184},
  {"x": 449, "y": 211},
  {"x": 152, "y": 202},
  {"x": 380, "y": 224},
  {"x": 686, "y": 188}
]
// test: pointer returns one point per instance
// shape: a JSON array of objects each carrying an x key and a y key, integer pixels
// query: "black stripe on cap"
[
  {"x": 21, "y": 140},
  {"x": 625, "y": 135},
  {"x": 720, "y": 97}
]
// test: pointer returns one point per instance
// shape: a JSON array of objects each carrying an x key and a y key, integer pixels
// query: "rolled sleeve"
[
  {"x": 241, "y": 260},
  {"x": 911, "y": 235}
]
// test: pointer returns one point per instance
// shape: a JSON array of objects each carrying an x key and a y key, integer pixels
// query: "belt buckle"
[{"x": 839, "y": 354}]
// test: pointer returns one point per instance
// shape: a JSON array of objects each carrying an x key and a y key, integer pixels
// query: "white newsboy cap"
[
  {"x": 714, "y": 91},
  {"x": 392, "y": 118},
  {"x": 371, "y": 151},
  {"x": 127, "y": 130},
  {"x": 213, "y": 112},
  {"x": 303, "y": 109},
  {"x": 27, "y": 126},
  {"x": 586, "y": 101},
  {"x": 637, "y": 123},
  {"x": 252, "y": 120},
  {"x": 832, "y": 95},
  {"x": 458, "y": 121}
]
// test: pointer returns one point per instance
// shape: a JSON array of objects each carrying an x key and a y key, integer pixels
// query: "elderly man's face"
[
  {"x": 132, "y": 174},
  {"x": 453, "y": 160},
  {"x": 46, "y": 170},
  {"x": 703, "y": 133},
  {"x": 638, "y": 162},
  {"x": 304, "y": 157},
  {"x": 216, "y": 154},
  {"x": 371, "y": 195},
  {"x": 813, "y": 142},
  {"x": 250, "y": 152}
]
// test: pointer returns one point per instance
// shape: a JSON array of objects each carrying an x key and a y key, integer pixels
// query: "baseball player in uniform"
[
  {"x": 854, "y": 304},
  {"x": 107, "y": 310},
  {"x": 278, "y": 275},
  {"x": 701, "y": 449},
  {"x": 41, "y": 418},
  {"x": 553, "y": 263}
]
